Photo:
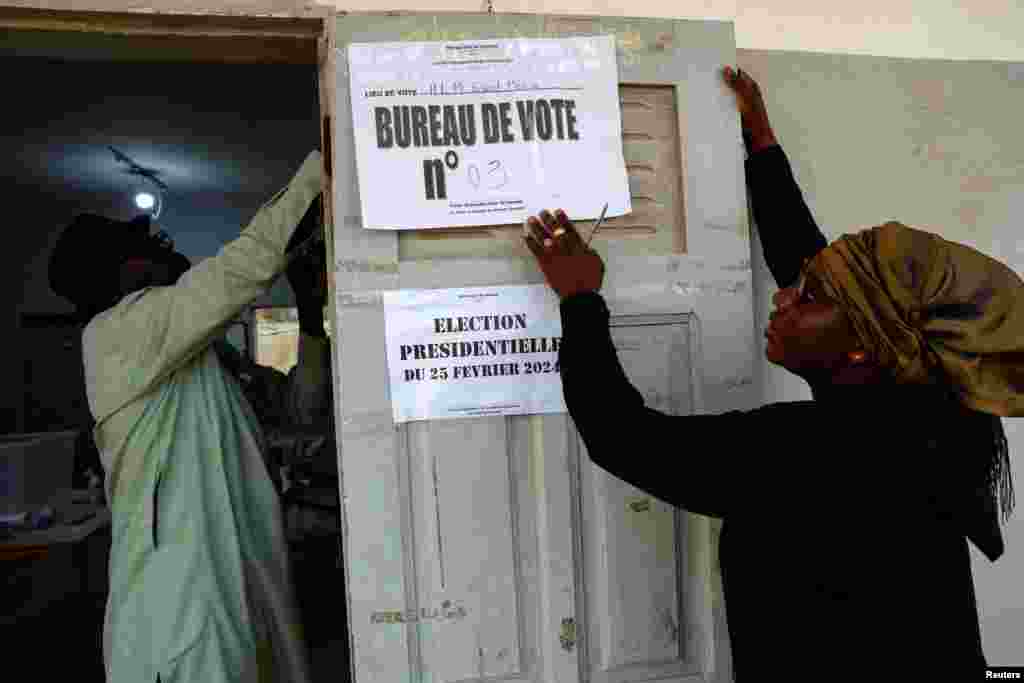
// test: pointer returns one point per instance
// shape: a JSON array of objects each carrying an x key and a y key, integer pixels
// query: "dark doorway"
[{"x": 222, "y": 136}]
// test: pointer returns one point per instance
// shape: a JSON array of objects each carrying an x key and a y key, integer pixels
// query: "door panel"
[
  {"x": 492, "y": 548},
  {"x": 634, "y": 545},
  {"x": 477, "y": 496},
  {"x": 484, "y": 555},
  {"x": 465, "y": 497},
  {"x": 650, "y": 144}
]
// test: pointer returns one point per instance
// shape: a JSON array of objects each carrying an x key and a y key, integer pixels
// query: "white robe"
[{"x": 199, "y": 580}]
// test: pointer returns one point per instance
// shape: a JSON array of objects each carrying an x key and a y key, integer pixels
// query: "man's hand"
[
  {"x": 307, "y": 274},
  {"x": 308, "y": 277},
  {"x": 569, "y": 265},
  {"x": 756, "y": 128}
]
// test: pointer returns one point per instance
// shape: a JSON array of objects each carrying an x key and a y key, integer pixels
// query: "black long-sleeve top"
[{"x": 836, "y": 550}]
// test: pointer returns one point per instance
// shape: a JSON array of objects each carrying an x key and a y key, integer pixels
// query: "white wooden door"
[{"x": 492, "y": 548}]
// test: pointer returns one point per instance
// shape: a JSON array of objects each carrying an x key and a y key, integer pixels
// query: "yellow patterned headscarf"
[{"x": 932, "y": 311}]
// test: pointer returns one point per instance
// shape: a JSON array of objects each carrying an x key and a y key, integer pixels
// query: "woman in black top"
[{"x": 843, "y": 549}]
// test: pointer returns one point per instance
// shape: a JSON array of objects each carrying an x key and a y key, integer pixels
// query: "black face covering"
[{"x": 84, "y": 264}]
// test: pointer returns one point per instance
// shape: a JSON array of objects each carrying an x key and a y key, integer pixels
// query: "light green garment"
[{"x": 199, "y": 583}]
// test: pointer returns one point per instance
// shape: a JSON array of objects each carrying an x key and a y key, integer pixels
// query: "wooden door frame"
[{"x": 241, "y": 38}]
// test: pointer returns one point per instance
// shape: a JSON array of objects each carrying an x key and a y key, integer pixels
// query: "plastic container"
[{"x": 35, "y": 470}]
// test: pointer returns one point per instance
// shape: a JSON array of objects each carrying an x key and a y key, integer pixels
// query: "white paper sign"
[
  {"x": 486, "y": 132},
  {"x": 473, "y": 351}
]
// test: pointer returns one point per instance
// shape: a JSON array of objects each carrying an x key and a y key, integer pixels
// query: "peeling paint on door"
[
  {"x": 642, "y": 504},
  {"x": 445, "y": 613},
  {"x": 568, "y": 635}
]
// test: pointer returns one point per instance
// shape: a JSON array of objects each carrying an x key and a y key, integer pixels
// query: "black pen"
[{"x": 598, "y": 224}]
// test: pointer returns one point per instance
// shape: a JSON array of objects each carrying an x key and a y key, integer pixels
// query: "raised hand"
[
  {"x": 569, "y": 265},
  {"x": 757, "y": 131}
]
